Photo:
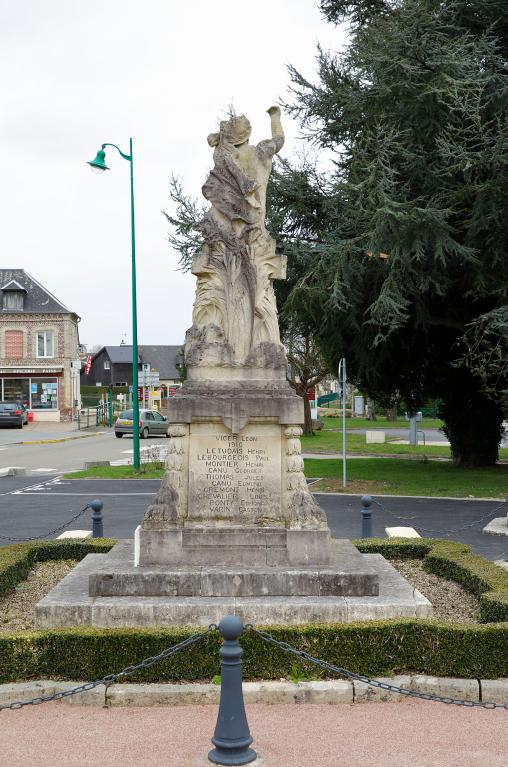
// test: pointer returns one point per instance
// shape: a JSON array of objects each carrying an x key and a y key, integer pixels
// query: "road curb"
[
  {"x": 269, "y": 692},
  {"x": 423, "y": 497},
  {"x": 59, "y": 439}
]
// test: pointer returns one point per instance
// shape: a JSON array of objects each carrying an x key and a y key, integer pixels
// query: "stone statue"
[
  {"x": 234, "y": 457},
  {"x": 235, "y": 315}
]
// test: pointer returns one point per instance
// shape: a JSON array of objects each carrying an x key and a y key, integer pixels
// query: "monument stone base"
[{"x": 109, "y": 591}]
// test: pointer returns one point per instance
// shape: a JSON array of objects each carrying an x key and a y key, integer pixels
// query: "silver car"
[{"x": 151, "y": 423}]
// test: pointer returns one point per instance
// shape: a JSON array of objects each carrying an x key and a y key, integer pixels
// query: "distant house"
[
  {"x": 165, "y": 360},
  {"x": 39, "y": 348},
  {"x": 113, "y": 365}
]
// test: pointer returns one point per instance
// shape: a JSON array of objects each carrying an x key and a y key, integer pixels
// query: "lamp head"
[{"x": 97, "y": 164}]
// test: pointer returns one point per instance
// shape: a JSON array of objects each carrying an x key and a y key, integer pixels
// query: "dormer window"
[{"x": 13, "y": 297}]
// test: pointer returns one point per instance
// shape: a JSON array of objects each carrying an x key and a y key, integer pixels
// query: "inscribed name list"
[{"x": 235, "y": 476}]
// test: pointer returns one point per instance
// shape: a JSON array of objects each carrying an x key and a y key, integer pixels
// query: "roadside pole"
[{"x": 342, "y": 384}]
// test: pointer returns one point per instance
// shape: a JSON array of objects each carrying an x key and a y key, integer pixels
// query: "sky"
[{"x": 78, "y": 73}]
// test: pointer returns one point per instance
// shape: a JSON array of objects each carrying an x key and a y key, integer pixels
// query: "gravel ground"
[
  {"x": 17, "y": 609},
  {"x": 450, "y": 601}
]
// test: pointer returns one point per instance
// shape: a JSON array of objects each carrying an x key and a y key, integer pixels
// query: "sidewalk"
[
  {"x": 416, "y": 733},
  {"x": 41, "y": 431}
]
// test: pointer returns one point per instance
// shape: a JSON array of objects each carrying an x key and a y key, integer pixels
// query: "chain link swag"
[
  {"x": 445, "y": 531},
  {"x": 266, "y": 637},
  {"x": 111, "y": 678}
]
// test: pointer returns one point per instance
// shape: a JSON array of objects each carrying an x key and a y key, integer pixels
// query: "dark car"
[{"x": 13, "y": 414}]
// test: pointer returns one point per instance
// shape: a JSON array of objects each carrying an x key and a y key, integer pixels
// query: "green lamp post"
[{"x": 98, "y": 165}]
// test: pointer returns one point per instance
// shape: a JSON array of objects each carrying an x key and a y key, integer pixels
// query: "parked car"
[
  {"x": 13, "y": 413},
  {"x": 151, "y": 423}
]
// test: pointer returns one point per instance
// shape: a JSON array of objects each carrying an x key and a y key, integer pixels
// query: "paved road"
[
  {"x": 80, "y": 447},
  {"x": 416, "y": 733},
  {"x": 29, "y": 508},
  {"x": 344, "y": 519},
  {"x": 431, "y": 435},
  {"x": 71, "y": 454}
]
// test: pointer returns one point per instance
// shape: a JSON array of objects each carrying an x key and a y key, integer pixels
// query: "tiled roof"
[
  {"x": 119, "y": 354},
  {"x": 164, "y": 359},
  {"x": 37, "y": 298}
]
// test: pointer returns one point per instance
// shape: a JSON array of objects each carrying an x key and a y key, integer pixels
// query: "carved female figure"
[{"x": 235, "y": 315}]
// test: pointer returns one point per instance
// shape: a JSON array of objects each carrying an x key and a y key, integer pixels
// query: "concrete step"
[
  {"x": 235, "y": 582},
  {"x": 69, "y": 604}
]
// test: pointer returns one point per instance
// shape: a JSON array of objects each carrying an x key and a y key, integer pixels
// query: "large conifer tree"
[{"x": 402, "y": 250}]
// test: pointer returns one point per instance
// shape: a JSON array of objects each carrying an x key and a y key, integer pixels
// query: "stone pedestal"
[
  {"x": 234, "y": 517},
  {"x": 234, "y": 464}
]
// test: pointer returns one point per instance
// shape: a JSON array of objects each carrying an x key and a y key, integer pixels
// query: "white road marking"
[{"x": 46, "y": 471}]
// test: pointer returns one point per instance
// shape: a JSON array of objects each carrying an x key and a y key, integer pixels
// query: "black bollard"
[
  {"x": 232, "y": 737},
  {"x": 97, "y": 530},
  {"x": 366, "y": 516}
]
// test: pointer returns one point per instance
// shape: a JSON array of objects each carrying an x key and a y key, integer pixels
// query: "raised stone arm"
[{"x": 277, "y": 132}]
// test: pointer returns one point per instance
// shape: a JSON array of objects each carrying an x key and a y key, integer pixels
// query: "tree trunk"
[
  {"x": 391, "y": 413},
  {"x": 472, "y": 422},
  {"x": 370, "y": 412},
  {"x": 307, "y": 426}
]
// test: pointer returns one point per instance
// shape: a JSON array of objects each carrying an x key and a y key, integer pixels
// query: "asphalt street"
[
  {"x": 49, "y": 450},
  {"x": 44, "y": 448},
  {"x": 31, "y": 507}
]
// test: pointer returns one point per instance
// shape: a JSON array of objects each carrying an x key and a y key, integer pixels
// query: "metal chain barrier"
[
  {"x": 440, "y": 532},
  {"x": 111, "y": 678},
  {"x": 266, "y": 637},
  {"x": 51, "y": 532}
]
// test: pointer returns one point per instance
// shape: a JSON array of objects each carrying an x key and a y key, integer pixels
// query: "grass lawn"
[
  {"x": 392, "y": 476},
  {"x": 117, "y": 472},
  {"x": 324, "y": 441},
  {"x": 381, "y": 423},
  {"x": 327, "y": 441}
]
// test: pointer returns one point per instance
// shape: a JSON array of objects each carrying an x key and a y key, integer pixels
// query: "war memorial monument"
[{"x": 233, "y": 528}]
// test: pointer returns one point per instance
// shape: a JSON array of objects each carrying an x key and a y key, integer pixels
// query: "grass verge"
[
  {"x": 331, "y": 441},
  {"x": 396, "y": 476},
  {"x": 325, "y": 441},
  {"x": 146, "y": 471},
  {"x": 334, "y": 422}
]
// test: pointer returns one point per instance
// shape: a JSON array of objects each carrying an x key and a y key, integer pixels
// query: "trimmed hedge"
[
  {"x": 456, "y": 562},
  {"x": 18, "y": 559},
  {"x": 374, "y": 647},
  {"x": 377, "y": 648}
]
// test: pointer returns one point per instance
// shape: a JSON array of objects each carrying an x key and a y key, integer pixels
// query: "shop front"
[{"x": 39, "y": 390}]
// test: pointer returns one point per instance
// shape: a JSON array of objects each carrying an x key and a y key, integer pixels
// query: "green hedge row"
[
  {"x": 17, "y": 560},
  {"x": 375, "y": 647},
  {"x": 456, "y": 562}
]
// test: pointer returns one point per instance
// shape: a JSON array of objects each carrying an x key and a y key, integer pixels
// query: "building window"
[
  {"x": 45, "y": 344},
  {"x": 107, "y": 365},
  {"x": 13, "y": 301},
  {"x": 14, "y": 344},
  {"x": 34, "y": 393},
  {"x": 44, "y": 393},
  {"x": 18, "y": 390}
]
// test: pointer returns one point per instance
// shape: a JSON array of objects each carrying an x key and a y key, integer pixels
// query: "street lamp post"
[{"x": 98, "y": 165}]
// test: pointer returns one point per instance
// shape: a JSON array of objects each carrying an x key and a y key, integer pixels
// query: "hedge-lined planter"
[
  {"x": 455, "y": 562},
  {"x": 17, "y": 560},
  {"x": 378, "y": 648}
]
